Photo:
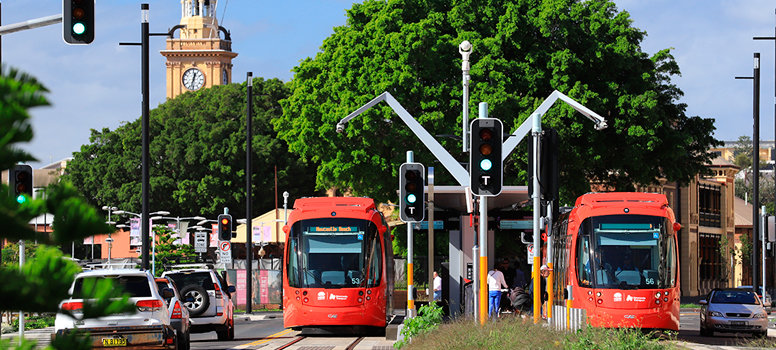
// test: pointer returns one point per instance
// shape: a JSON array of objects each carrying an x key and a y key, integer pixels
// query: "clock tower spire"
[{"x": 200, "y": 57}]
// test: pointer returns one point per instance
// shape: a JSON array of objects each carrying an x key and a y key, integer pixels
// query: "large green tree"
[
  {"x": 523, "y": 50},
  {"x": 197, "y": 154}
]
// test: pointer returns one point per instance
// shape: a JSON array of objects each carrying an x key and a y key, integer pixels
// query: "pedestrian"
[
  {"x": 495, "y": 283},
  {"x": 519, "y": 280},
  {"x": 544, "y": 272},
  {"x": 437, "y": 287}
]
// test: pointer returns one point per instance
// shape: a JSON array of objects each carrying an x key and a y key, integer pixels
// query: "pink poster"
[
  {"x": 214, "y": 235},
  {"x": 263, "y": 287},
  {"x": 134, "y": 232},
  {"x": 241, "y": 287}
]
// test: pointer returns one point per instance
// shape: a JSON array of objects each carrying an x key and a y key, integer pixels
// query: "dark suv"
[{"x": 208, "y": 299}]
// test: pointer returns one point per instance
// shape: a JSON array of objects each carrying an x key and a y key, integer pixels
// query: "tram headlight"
[
  {"x": 360, "y": 299},
  {"x": 657, "y": 295},
  {"x": 369, "y": 291},
  {"x": 306, "y": 300}
]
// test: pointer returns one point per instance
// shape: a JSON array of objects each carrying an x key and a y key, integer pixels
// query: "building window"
[
  {"x": 710, "y": 205},
  {"x": 711, "y": 264}
]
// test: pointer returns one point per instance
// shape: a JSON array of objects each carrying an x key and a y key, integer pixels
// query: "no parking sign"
[
  {"x": 530, "y": 253},
  {"x": 225, "y": 251}
]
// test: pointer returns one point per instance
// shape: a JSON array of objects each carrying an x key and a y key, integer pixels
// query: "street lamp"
[
  {"x": 109, "y": 222},
  {"x": 160, "y": 212}
]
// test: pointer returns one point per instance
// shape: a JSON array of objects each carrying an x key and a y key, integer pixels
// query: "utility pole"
[
  {"x": 248, "y": 210},
  {"x": 755, "y": 162}
]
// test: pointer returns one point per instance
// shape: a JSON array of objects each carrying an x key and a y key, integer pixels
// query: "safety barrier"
[{"x": 573, "y": 319}]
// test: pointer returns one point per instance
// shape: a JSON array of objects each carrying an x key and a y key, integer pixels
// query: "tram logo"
[
  {"x": 617, "y": 296},
  {"x": 632, "y": 298},
  {"x": 321, "y": 295},
  {"x": 332, "y": 296},
  {"x": 332, "y": 315}
]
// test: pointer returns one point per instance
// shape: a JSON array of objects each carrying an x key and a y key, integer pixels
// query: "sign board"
[
  {"x": 200, "y": 242},
  {"x": 530, "y": 254},
  {"x": 241, "y": 287},
  {"x": 225, "y": 251},
  {"x": 214, "y": 235},
  {"x": 771, "y": 228}
]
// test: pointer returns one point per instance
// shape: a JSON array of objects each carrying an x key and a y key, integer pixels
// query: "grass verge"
[{"x": 518, "y": 333}]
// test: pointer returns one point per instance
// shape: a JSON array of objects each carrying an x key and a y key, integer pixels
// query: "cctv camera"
[
  {"x": 465, "y": 46},
  {"x": 340, "y": 128}
]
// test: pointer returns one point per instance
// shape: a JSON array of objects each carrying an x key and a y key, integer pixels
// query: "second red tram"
[
  {"x": 338, "y": 264},
  {"x": 618, "y": 254}
]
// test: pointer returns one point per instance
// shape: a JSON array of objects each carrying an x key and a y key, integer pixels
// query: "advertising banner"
[{"x": 134, "y": 232}]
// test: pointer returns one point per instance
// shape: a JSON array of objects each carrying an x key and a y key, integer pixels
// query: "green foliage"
[
  {"x": 166, "y": 250},
  {"x": 523, "y": 50},
  {"x": 198, "y": 155},
  {"x": 429, "y": 317},
  {"x": 45, "y": 278},
  {"x": 34, "y": 322},
  {"x": 614, "y": 339}
]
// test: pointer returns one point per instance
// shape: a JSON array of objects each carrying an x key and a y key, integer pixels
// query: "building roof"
[
  {"x": 743, "y": 213},
  {"x": 721, "y": 161}
]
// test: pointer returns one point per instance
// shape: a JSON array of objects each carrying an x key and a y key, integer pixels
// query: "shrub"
[{"x": 428, "y": 318}]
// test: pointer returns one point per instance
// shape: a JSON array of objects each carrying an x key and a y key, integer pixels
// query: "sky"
[{"x": 97, "y": 86}]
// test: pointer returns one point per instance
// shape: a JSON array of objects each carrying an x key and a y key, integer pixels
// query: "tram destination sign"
[{"x": 347, "y": 230}]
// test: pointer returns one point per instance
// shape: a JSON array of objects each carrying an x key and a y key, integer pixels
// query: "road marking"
[{"x": 267, "y": 339}]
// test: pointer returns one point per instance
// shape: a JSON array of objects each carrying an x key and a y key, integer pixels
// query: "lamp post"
[
  {"x": 109, "y": 222},
  {"x": 143, "y": 225},
  {"x": 285, "y": 207}
]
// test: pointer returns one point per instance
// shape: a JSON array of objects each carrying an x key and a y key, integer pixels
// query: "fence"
[
  {"x": 267, "y": 283},
  {"x": 568, "y": 319}
]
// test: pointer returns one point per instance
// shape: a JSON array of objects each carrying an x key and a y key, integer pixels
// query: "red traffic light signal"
[{"x": 225, "y": 227}]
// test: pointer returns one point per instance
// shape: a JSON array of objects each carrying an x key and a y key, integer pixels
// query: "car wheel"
[
  {"x": 228, "y": 332},
  {"x": 200, "y": 301},
  {"x": 183, "y": 341},
  {"x": 706, "y": 332}
]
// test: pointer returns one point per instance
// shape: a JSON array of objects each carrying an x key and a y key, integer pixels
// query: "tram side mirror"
[
  {"x": 677, "y": 227},
  {"x": 285, "y": 228},
  {"x": 703, "y": 302}
]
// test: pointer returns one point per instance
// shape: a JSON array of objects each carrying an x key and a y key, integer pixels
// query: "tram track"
[{"x": 300, "y": 342}]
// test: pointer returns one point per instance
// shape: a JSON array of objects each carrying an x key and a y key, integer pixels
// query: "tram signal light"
[
  {"x": 78, "y": 21},
  {"x": 225, "y": 227},
  {"x": 20, "y": 181},
  {"x": 411, "y": 181},
  {"x": 485, "y": 164}
]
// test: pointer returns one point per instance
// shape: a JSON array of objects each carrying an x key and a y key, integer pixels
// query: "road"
[
  {"x": 245, "y": 332},
  {"x": 689, "y": 331}
]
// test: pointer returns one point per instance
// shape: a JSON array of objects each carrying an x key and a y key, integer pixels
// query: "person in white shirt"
[
  {"x": 495, "y": 283},
  {"x": 437, "y": 287}
]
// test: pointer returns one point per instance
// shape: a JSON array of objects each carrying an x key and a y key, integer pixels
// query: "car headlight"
[
  {"x": 760, "y": 315},
  {"x": 715, "y": 314}
]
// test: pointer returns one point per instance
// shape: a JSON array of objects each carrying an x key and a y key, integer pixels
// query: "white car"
[
  {"x": 147, "y": 327},
  {"x": 208, "y": 298}
]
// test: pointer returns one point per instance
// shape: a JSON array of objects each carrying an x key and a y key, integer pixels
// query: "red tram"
[
  {"x": 339, "y": 264},
  {"x": 618, "y": 253}
]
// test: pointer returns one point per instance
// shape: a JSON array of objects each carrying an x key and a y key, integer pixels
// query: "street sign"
[
  {"x": 530, "y": 253},
  {"x": 200, "y": 242},
  {"x": 225, "y": 252}
]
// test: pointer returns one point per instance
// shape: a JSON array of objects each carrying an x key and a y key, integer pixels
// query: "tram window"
[
  {"x": 583, "y": 261},
  {"x": 375, "y": 262}
]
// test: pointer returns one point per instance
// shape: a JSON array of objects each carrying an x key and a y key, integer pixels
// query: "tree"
[
  {"x": 523, "y": 50},
  {"x": 166, "y": 249},
  {"x": 43, "y": 281},
  {"x": 197, "y": 152}
]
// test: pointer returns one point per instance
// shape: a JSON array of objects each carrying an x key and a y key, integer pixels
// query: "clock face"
[
  {"x": 193, "y": 79},
  {"x": 225, "y": 77}
]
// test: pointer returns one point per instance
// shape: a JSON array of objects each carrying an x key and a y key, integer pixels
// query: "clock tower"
[{"x": 199, "y": 58}]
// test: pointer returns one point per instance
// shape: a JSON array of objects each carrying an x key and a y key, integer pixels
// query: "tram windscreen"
[
  {"x": 332, "y": 253},
  {"x": 627, "y": 252}
]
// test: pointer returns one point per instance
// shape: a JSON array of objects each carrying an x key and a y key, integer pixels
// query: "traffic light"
[
  {"x": 548, "y": 168},
  {"x": 78, "y": 21},
  {"x": 485, "y": 165},
  {"x": 20, "y": 182},
  {"x": 412, "y": 178},
  {"x": 225, "y": 227}
]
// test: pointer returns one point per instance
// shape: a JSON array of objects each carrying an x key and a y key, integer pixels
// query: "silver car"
[
  {"x": 767, "y": 302},
  {"x": 179, "y": 314},
  {"x": 733, "y": 310}
]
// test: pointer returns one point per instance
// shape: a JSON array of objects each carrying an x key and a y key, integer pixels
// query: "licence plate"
[
  {"x": 114, "y": 342},
  {"x": 738, "y": 323}
]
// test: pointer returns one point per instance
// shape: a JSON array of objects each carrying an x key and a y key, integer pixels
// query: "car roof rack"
[{"x": 189, "y": 266}]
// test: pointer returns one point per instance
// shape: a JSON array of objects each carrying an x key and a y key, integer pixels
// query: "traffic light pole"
[
  {"x": 410, "y": 252},
  {"x": 484, "y": 260},
  {"x": 537, "y": 212}
]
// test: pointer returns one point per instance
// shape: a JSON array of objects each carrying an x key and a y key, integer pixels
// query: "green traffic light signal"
[
  {"x": 79, "y": 28},
  {"x": 411, "y": 198},
  {"x": 21, "y": 199}
]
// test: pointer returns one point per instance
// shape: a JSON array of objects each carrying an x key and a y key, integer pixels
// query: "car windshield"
[
  {"x": 627, "y": 252},
  {"x": 735, "y": 297},
  {"x": 136, "y": 286}
]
